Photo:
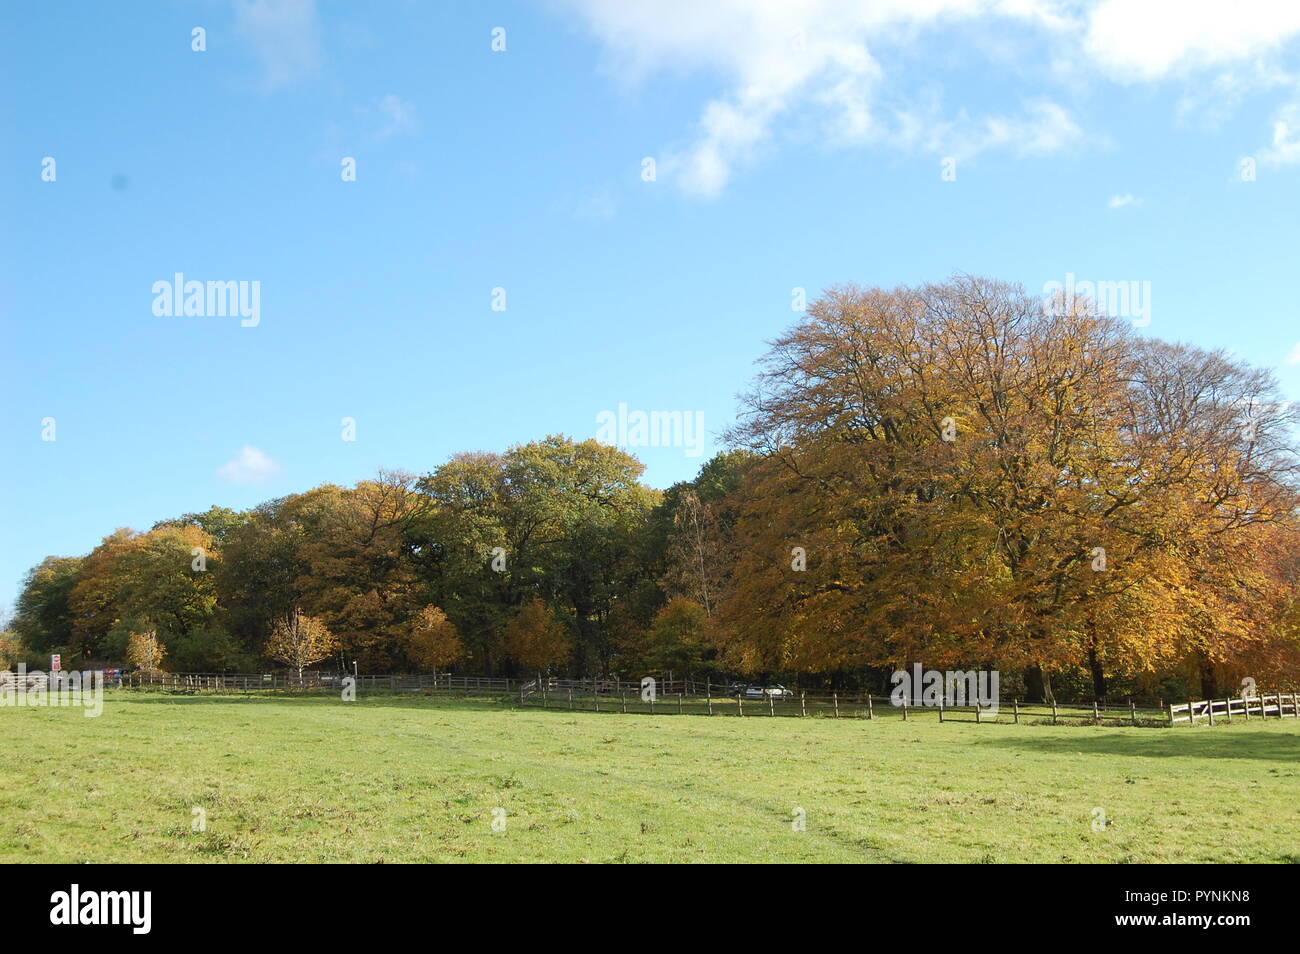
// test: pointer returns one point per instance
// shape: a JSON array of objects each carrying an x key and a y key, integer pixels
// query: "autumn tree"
[
  {"x": 163, "y": 579},
  {"x": 535, "y": 639},
  {"x": 358, "y": 574},
  {"x": 957, "y": 473},
  {"x": 265, "y": 565},
  {"x": 12, "y": 650},
  {"x": 433, "y": 640},
  {"x": 145, "y": 652},
  {"x": 299, "y": 640}
]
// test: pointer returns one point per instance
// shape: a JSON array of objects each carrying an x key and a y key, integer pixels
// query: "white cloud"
[
  {"x": 782, "y": 57},
  {"x": 1123, "y": 201},
  {"x": 1294, "y": 356},
  {"x": 399, "y": 116},
  {"x": 286, "y": 35},
  {"x": 1285, "y": 148},
  {"x": 822, "y": 64},
  {"x": 249, "y": 466},
  {"x": 1042, "y": 128},
  {"x": 1151, "y": 39}
]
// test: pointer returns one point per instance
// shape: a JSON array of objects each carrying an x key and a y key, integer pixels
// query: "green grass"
[{"x": 399, "y": 779}]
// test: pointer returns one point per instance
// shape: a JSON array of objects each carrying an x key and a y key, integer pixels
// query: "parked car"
[{"x": 763, "y": 692}]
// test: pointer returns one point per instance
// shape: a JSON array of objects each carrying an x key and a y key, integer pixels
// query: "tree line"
[{"x": 953, "y": 474}]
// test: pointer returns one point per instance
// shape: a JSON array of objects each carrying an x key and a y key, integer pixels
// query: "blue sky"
[{"x": 796, "y": 144}]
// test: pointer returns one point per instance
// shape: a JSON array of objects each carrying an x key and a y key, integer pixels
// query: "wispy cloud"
[
  {"x": 286, "y": 35},
  {"x": 787, "y": 63},
  {"x": 1285, "y": 147},
  {"x": 1123, "y": 201},
  {"x": 399, "y": 116},
  {"x": 1294, "y": 356},
  {"x": 249, "y": 466}
]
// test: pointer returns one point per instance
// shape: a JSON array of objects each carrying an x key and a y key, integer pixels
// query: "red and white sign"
[{"x": 56, "y": 662}]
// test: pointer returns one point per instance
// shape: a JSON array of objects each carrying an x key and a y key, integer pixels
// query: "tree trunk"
[
  {"x": 1209, "y": 679},
  {"x": 1098, "y": 676},
  {"x": 1034, "y": 690}
]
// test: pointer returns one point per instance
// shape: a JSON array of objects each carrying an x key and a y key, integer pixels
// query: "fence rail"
[
  {"x": 676, "y": 698},
  {"x": 693, "y": 697},
  {"x": 1279, "y": 704},
  {"x": 246, "y": 682}
]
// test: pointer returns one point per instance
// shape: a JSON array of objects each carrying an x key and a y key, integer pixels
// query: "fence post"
[
  {"x": 871, "y": 709},
  {"x": 835, "y": 697},
  {"x": 771, "y": 705},
  {"x": 622, "y": 698},
  {"x": 740, "y": 701},
  {"x": 940, "y": 708},
  {"x": 679, "y": 703},
  {"x": 977, "y": 712},
  {"x": 803, "y": 703},
  {"x": 1133, "y": 712},
  {"x": 1015, "y": 707},
  {"x": 1209, "y": 708},
  {"x": 708, "y": 694},
  {"x": 570, "y": 698},
  {"x": 1053, "y": 710},
  {"x": 1096, "y": 714},
  {"x": 904, "y": 706}
]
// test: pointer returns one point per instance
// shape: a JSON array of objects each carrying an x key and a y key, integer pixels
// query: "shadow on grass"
[{"x": 1259, "y": 741}]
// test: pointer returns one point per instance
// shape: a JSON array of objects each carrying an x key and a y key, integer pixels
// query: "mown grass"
[{"x": 414, "y": 779}]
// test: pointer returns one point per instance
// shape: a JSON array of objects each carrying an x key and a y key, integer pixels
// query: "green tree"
[
  {"x": 43, "y": 618},
  {"x": 675, "y": 641}
]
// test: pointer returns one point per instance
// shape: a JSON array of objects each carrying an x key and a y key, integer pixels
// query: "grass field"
[{"x": 398, "y": 779}]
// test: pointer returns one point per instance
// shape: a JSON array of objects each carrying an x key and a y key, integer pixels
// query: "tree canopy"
[{"x": 957, "y": 474}]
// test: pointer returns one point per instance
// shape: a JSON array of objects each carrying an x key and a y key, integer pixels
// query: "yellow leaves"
[
  {"x": 953, "y": 461},
  {"x": 144, "y": 652},
  {"x": 299, "y": 640},
  {"x": 433, "y": 640},
  {"x": 535, "y": 639}
]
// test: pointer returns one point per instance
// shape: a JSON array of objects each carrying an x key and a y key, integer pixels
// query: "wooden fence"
[
  {"x": 702, "y": 698},
  {"x": 246, "y": 682},
  {"x": 1261, "y": 706},
  {"x": 691, "y": 697}
]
